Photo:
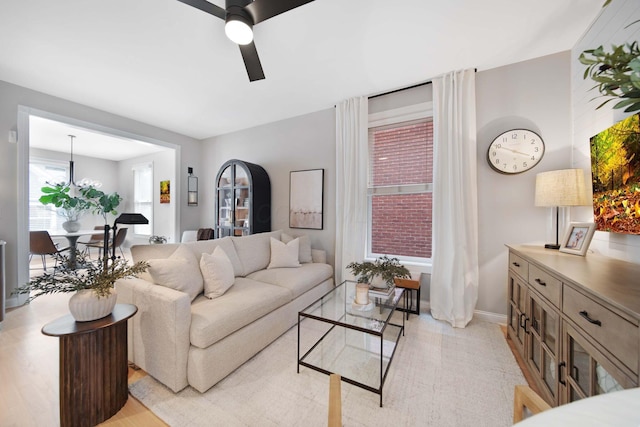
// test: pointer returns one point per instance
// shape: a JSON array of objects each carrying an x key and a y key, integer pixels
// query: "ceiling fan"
[{"x": 240, "y": 16}]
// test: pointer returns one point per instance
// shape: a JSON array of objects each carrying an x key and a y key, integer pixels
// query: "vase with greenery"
[
  {"x": 384, "y": 268},
  {"x": 70, "y": 206},
  {"x": 92, "y": 284}
]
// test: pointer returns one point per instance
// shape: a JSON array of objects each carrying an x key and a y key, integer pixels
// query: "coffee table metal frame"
[{"x": 343, "y": 323}]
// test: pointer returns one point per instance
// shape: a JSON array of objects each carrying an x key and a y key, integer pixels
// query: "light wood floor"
[{"x": 29, "y": 371}]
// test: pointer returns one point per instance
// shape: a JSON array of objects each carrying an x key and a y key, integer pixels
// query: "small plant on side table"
[{"x": 384, "y": 267}]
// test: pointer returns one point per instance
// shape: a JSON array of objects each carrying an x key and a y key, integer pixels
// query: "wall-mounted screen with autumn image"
[{"x": 615, "y": 172}]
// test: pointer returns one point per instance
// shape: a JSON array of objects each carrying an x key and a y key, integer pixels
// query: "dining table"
[{"x": 72, "y": 237}]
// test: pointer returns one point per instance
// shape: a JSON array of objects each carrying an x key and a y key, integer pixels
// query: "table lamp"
[{"x": 561, "y": 188}]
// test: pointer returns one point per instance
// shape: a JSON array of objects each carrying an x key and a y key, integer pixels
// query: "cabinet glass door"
[
  {"x": 225, "y": 206},
  {"x": 517, "y": 298},
  {"x": 542, "y": 352},
  {"x": 589, "y": 371}
]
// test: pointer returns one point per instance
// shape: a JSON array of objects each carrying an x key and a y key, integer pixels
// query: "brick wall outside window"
[{"x": 401, "y": 154}]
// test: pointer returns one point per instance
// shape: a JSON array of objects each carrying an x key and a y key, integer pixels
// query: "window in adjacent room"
[
  {"x": 400, "y": 188},
  {"x": 41, "y": 171},
  {"x": 143, "y": 196}
]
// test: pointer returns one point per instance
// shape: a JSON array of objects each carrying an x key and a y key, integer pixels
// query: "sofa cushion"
[
  {"x": 284, "y": 255},
  {"x": 217, "y": 273},
  {"x": 254, "y": 251},
  {"x": 246, "y": 301},
  {"x": 304, "y": 246},
  {"x": 180, "y": 272},
  {"x": 297, "y": 280}
]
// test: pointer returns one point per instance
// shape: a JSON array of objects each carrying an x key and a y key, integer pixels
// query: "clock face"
[{"x": 515, "y": 151}]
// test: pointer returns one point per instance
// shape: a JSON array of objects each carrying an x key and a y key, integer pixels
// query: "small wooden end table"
[
  {"x": 410, "y": 285},
  {"x": 93, "y": 366}
]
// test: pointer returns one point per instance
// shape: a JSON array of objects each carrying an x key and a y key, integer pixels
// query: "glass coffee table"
[{"x": 337, "y": 336}]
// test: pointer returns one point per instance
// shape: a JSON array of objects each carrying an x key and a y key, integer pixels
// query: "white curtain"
[
  {"x": 454, "y": 278},
  {"x": 351, "y": 183}
]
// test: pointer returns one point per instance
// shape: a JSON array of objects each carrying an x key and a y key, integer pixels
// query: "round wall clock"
[{"x": 515, "y": 151}]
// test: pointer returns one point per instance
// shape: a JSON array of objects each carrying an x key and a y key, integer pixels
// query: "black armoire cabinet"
[{"x": 243, "y": 199}]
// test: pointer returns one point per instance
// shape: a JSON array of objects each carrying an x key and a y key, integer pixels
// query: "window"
[
  {"x": 400, "y": 188},
  {"x": 44, "y": 217},
  {"x": 143, "y": 196}
]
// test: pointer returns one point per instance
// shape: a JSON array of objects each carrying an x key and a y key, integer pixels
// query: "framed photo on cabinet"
[
  {"x": 577, "y": 238},
  {"x": 306, "y": 195}
]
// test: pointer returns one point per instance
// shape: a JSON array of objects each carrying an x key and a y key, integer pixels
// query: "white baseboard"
[{"x": 485, "y": 316}]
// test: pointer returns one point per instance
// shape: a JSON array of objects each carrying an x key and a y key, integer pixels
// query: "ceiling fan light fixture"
[{"x": 238, "y": 29}]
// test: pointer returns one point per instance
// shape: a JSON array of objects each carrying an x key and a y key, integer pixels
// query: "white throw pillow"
[
  {"x": 304, "y": 254},
  {"x": 284, "y": 254},
  {"x": 217, "y": 272},
  {"x": 180, "y": 272}
]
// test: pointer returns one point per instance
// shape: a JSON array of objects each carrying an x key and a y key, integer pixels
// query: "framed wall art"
[
  {"x": 306, "y": 195},
  {"x": 165, "y": 191},
  {"x": 577, "y": 238}
]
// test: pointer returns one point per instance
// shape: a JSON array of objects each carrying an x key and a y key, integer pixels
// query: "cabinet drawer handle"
[
  {"x": 541, "y": 282},
  {"x": 584, "y": 314},
  {"x": 523, "y": 322},
  {"x": 516, "y": 264},
  {"x": 560, "y": 366}
]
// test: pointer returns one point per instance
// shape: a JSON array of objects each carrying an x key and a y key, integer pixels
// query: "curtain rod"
[
  {"x": 401, "y": 89},
  {"x": 428, "y": 82}
]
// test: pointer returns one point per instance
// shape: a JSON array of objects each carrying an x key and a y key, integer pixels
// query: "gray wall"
[
  {"x": 305, "y": 142},
  {"x": 533, "y": 95}
]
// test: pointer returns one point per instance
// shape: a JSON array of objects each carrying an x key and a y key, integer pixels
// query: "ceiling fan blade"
[
  {"x": 251, "y": 61},
  {"x": 261, "y": 10},
  {"x": 205, "y": 6}
]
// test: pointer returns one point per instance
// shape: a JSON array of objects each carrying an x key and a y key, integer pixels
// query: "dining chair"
[
  {"x": 40, "y": 243},
  {"x": 95, "y": 240},
  {"x": 121, "y": 235}
]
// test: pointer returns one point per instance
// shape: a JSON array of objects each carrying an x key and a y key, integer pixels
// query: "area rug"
[{"x": 440, "y": 376}]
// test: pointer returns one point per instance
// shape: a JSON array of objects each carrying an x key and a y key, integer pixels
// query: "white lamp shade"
[
  {"x": 238, "y": 32},
  {"x": 564, "y": 187}
]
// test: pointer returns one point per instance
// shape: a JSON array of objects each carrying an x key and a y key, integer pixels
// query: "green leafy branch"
[
  {"x": 94, "y": 276},
  {"x": 617, "y": 74}
]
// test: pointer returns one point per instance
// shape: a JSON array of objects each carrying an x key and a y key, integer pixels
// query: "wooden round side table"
[{"x": 93, "y": 366}]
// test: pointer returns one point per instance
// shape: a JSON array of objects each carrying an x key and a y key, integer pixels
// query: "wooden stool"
[{"x": 410, "y": 285}]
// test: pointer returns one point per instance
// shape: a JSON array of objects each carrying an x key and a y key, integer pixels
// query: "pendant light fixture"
[{"x": 72, "y": 182}]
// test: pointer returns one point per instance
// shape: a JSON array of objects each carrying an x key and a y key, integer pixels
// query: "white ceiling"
[
  {"x": 52, "y": 135},
  {"x": 167, "y": 64}
]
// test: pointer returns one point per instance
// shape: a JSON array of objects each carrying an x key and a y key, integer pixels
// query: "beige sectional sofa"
[{"x": 181, "y": 337}]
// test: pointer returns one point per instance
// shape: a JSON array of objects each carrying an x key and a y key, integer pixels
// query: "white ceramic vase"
[
  {"x": 71, "y": 226},
  {"x": 378, "y": 282},
  {"x": 85, "y": 305}
]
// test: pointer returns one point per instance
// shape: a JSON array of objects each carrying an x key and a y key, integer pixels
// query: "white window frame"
[
  {"x": 390, "y": 117},
  {"x": 53, "y": 212},
  {"x": 148, "y": 214}
]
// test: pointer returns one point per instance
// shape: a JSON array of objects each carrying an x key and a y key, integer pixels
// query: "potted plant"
[
  {"x": 94, "y": 296},
  {"x": 69, "y": 206},
  {"x": 99, "y": 202},
  {"x": 383, "y": 269}
]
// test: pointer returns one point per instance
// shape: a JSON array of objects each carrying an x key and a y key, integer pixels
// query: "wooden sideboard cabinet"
[{"x": 575, "y": 321}]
